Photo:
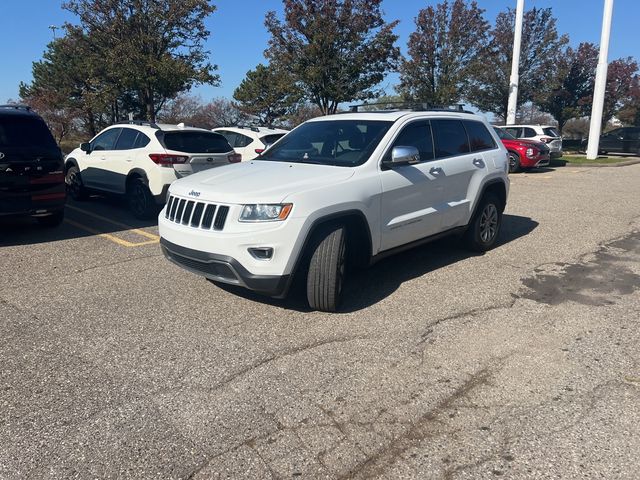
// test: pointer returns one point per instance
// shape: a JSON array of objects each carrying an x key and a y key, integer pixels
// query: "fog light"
[{"x": 261, "y": 253}]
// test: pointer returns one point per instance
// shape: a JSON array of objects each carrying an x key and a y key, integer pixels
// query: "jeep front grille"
[{"x": 196, "y": 214}]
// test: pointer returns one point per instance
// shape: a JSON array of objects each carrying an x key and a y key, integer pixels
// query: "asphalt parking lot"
[{"x": 520, "y": 363}]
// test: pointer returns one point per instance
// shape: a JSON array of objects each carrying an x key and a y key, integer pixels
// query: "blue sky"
[{"x": 238, "y": 36}]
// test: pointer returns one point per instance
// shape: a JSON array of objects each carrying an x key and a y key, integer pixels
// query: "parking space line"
[
  {"x": 110, "y": 237},
  {"x": 123, "y": 225}
]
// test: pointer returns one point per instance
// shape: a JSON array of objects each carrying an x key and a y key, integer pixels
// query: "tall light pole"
[
  {"x": 515, "y": 65},
  {"x": 601, "y": 82}
]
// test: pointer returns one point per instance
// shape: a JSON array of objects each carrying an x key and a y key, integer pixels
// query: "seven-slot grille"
[{"x": 196, "y": 214}]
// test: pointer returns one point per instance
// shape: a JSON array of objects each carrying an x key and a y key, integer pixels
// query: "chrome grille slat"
[{"x": 196, "y": 214}]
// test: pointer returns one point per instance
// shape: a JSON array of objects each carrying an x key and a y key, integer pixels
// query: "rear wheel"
[
  {"x": 483, "y": 230},
  {"x": 326, "y": 274},
  {"x": 51, "y": 221},
  {"x": 514, "y": 162},
  {"x": 140, "y": 200},
  {"x": 73, "y": 181}
]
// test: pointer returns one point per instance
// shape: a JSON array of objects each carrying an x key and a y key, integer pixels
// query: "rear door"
[
  {"x": 631, "y": 140},
  {"x": 123, "y": 158},
  {"x": 611, "y": 141},
  {"x": 458, "y": 146}
]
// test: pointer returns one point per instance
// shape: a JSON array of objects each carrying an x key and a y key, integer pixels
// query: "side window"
[
  {"x": 529, "y": 132},
  {"x": 141, "y": 141},
  {"x": 242, "y": 140},
  {"x": 479, "y": 136},
  {"x": 633, "y": 134},
  {"x": 450, "y": 138},
  {"x": 230, "y": 136},
  {"x": 513, "y": 131},
  {"x": 127, "y": 139},
  {"x": 106, "y": 140},
  {"x": 416, "y": 134}
]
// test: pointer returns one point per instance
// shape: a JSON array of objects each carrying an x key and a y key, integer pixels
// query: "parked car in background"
[
  {"x": 141, "y": 159},
  {"x": 339, "y": 191},
  {"x": 251, "y": 141},
  {"x": 523, "y": 153},
  {"x": 31, "y": 167},
  {"x": 620, "y": 140},
  {"x": 542, "y": 133}
]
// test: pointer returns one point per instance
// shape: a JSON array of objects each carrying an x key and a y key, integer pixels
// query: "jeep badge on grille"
[{"x": 193, "y": 193}]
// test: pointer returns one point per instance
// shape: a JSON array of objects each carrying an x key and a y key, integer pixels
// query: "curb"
[{"x": 617, "y": 164}]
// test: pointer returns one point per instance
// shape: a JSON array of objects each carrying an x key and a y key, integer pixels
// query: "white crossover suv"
[
  {"x": 340, "y": 190},
  {"x": 251, "y": 141},
  {"x": 547, "y": 134},
  {"x": 141, "y": 159}
]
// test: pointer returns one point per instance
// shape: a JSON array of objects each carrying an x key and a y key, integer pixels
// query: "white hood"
[{"x": 258, "y": 181}]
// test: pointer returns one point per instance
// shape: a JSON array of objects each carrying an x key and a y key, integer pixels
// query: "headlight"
[
  {"x": 265, "y": 212},
  {"x": 530, "y": 152}
]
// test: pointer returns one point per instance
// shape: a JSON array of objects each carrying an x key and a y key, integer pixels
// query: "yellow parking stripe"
[
  {"x": 110, "y": 237},
  {"x": 151, "y": 236}
]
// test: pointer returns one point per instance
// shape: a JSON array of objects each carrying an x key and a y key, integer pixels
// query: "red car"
[{"x": 524, "y": 153}]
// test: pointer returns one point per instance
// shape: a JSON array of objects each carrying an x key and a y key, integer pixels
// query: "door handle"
[
  {"x": 103, "y": 158},
  {"x": 435, "y": 171},
  {"x": 478, "y": 162}
]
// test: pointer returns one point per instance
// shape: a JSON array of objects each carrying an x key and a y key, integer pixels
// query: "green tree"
[
  {"x": 152, "y": 49},
  {"x": 446, "y": 48},
  {"x": 335, "y": 50},
  {"x": 267, "y": 94},
  {"x": 541, "y": 48},
  {"x": 573, "y": 86}
]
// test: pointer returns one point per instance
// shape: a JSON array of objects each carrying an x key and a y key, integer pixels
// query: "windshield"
[
  {"x": 345, "y": 143},
  {"x": 23, "y": 131},
  {"x": 504, "y": 135},
  {"x": 196, "y": 142}
]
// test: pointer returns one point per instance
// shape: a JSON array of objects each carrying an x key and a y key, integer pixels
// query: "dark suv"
[
  {"x": 620, "y": 140},
  {"x": 31, "y": 167}
]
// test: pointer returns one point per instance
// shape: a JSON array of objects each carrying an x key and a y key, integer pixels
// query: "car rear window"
[
  {"x": 552, "y": 132},
  {"x": 273, "y": 138},
  {"x": 196, "y": 142},
  {"x": 19, "y": 131}
]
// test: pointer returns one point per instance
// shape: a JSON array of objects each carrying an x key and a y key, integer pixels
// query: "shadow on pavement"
[
  {"x": 94, "y": 216},
  {"x": 369, "y": 286}
]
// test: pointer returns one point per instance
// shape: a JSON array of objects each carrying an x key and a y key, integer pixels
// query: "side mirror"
[
  {"x": 85, "y": 147},
  {"x": 404, "y": 155}
]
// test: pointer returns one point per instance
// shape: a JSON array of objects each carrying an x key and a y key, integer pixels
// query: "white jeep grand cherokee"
[{"x": 340, "y": 190}]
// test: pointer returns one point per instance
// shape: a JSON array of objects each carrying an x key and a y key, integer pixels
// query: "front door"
[{"x": 96, "y": 165}]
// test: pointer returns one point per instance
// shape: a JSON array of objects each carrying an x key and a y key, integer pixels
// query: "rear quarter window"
[
  {"x": 479, "y": 137},
  {"x": 196, "y": 142},
  {"x": 273, "y": 138},
  {"x": 450, "y": 138},
  {"x": 550, "y": 131}
]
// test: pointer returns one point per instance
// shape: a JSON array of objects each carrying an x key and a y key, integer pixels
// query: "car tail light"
[
  {"x": 234, "y": 158},
  {"x": 259, "y": 150},
  {"x": 167, "y": 159}
]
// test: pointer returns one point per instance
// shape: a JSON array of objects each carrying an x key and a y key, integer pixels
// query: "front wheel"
[
  {"x": 483, "y": 230},
  {"x": 514, "y": 162},
  {"x": 326, "y": 274},
  {"x": 73, "y": 181},
  {"x": 140, "y": 200}
]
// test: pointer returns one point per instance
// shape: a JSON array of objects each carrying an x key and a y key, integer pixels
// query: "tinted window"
[
  {"x": 450, "y": 138},
  {"x": 345, "y": 143},
  {"x": 479, "y": 136},
  {"x": 273, "y": 138},
  {"x": 631, "y": 134},
  {"x": 503, "y": 134},
  {"x": 106, "y": 140},
  {"x": 552, "y": 132},
  {"x": 416, "y": 134},
  {"x": 529, "y": 132},
  {"x": 23, "y": 131},
  {"x": 230, "y": 136},
  {"x": 242, "y": 141},
  {"x": 141, "y": 141},
  {"x": 513, "y": 131},
  {"x": 196, "y": 142},
  {"x": 127, "y": 139}
]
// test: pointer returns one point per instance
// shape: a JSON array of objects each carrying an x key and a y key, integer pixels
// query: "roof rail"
[
  {"x": 413, "y": 106},
  {"x": 139, "y": 122},
  {"x": 17, "y": 106},
  {"x": 253, "y": 128}
]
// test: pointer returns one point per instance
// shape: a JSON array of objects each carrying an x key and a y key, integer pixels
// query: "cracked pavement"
[{"x": 520, "y": 363}]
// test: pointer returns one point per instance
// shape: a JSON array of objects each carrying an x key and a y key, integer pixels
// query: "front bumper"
[{"x": 225, "y": 269}]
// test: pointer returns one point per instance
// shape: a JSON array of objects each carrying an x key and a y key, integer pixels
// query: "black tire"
[
  {"x": 514, "y": 162},
  {"x": 51, "y": 221},
  {"x": 73, "y": 181},
  {"x": 140, "y": 200},
  {"x": 327, "y": 268},
  {"x": 484, "y": 228}
]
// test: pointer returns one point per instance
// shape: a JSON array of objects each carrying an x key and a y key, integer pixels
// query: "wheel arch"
[
  {"x": 70, "y": 162},
  {"x": 134, "y": 174},
  {"x": 497, "y": 187}
]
